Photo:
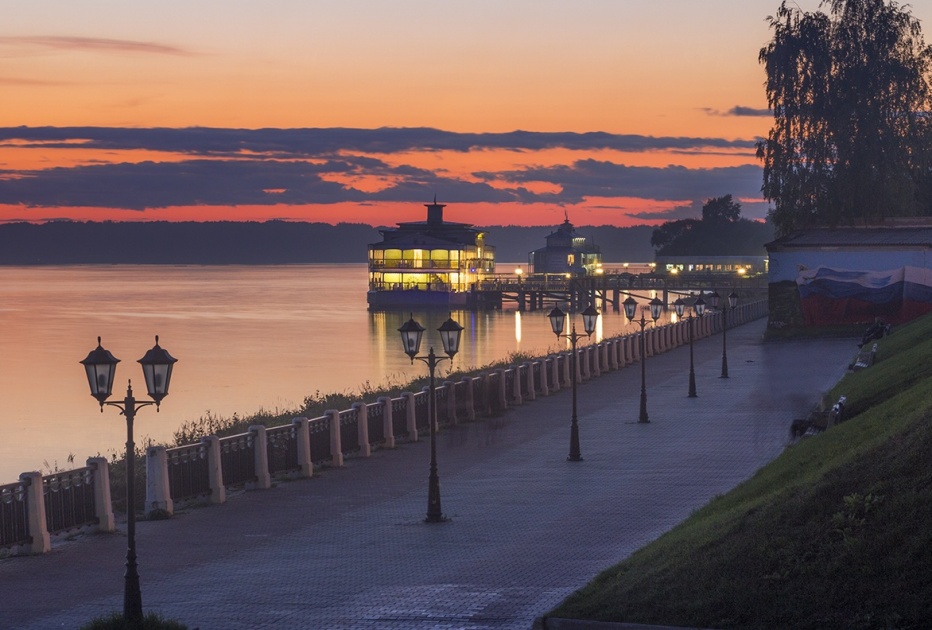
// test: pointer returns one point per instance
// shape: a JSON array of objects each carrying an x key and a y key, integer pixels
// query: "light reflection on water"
[{"x": 246, "y": 338}]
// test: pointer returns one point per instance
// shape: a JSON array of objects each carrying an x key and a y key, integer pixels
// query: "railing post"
[
  {"x": 515, "y": 394},
  {"x": 410, "y": 415},
  {"x": 503, "y": 394},
  {"x": 555, "y": 369},
  {"x": 566, "y": 358},
  {"x": 470, "y": 399},
  {"x": 158, "y": 490},
  {"x": 388, "y": 429},
  {"x": 613, "y": 354},
  {"x": 303, "y": 444},
  {"x": 594, "y": 361},
  {"x": 531, "y": 393},
  {"x": 218, "y": 492},
  {"x": 582, "y": 364},
  {"x": 362, "y": 428},
  {"x": 336, "y": 441},
  {"x": 544, "y": 387},
  {"x": 103, "y": 507},
  {"x": 450, "y": 388},
  {"x": 35, "y": 506},
  {"x": 260, "y": 443}
]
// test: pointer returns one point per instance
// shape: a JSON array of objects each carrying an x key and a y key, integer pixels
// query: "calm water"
[{"x": 246, "y": 338}]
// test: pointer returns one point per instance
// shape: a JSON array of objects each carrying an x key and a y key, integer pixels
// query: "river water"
[{"x": 247, "y": 338}]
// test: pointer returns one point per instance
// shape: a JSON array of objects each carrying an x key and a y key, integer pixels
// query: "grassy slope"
[{"x": 835, "y": 533}]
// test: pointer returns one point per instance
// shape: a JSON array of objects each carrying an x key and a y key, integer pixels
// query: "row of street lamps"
[{"x": 100, "y": 368}]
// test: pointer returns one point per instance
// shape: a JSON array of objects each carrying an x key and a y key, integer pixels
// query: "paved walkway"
[{"x": 347, "y": 549}]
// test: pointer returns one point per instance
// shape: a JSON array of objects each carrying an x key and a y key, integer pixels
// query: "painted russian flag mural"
[{"x": 842, "y": 296}]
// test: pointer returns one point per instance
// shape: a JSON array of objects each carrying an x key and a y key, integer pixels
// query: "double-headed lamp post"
[
  {"x": 630, "y": 308},
  {"x": 732, "y": 303},
  {"x": 557, "y": 321},
  {"x": 100, "y": 367},
  {"x": 698, "y": 309},
  {"x": 411, "y": 333}
]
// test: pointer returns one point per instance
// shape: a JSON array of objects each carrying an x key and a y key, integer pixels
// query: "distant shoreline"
[{"x": 253, "y": 243}]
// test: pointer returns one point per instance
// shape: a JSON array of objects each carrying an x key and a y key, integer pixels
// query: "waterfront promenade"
[{"x": 347, "y": 548}]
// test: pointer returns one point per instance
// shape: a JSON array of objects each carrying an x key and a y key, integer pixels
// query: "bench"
[
  {"x": 818, "y": 421},
  {"x": 864, "y": 359}
]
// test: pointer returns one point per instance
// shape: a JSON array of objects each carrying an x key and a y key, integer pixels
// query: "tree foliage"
[
  {"x": 721, "y": 210},
  {"x": 721, "y": 232},
  {"x": 850, "y": 95}
]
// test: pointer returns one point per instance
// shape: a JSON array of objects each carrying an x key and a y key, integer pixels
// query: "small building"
[
  {"x": 423, "y": 264},
  {"x": 716, "y": 266},
  {"x": 566, "y": 252},
  {"x": 851, "y": 275}
]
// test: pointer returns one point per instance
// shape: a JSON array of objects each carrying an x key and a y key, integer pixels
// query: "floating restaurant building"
[
  {"x": 427, "y": 264},
  {"x": 566, "y": 252}
]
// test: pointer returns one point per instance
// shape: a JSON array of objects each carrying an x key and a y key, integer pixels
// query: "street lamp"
[
  {"x": 411, "y": 333},
  {"x": 698, "y": 309},
  {"x": 630, "y": 307},
  {"x": 100, "y": 367},
  {"x": 557, "y": 319},
  {"x": 732, "y": 303}
]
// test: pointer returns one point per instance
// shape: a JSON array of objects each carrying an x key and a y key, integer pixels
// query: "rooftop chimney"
[{"x": 435, "y": 211}]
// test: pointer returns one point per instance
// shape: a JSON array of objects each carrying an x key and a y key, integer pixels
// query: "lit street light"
[
  {"x": 411, "y": 333},
  {"x": 698, "y": 309},
  {"x": 557, "y": 321},
  {"x": 100, "y": 367},
  {"x": 630, "y": 308}
]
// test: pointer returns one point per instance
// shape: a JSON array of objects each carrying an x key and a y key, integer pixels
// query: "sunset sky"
[{"x": 511, "y": 111}]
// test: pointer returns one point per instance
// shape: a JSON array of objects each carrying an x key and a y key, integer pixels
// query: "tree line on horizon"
[{"x": 256, "y": 243}]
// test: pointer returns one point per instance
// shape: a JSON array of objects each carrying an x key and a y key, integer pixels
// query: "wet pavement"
[{"x": 349, "y": 548}]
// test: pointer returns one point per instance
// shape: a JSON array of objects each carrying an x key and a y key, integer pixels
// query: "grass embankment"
[{"x": 834, "y": 533}]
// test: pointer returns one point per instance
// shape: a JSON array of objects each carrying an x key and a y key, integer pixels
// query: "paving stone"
[{"x": 348, "y": 548}]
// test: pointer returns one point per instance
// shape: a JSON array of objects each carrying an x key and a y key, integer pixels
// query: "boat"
[{"x": 427, "y": 264}]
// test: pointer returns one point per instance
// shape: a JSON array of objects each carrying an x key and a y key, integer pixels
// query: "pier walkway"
[{"x": 348, "y": 548}]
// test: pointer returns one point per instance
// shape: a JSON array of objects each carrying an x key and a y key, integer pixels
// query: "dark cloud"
[
  {"x": 739, "y": 110},
  {"x": 223, "y": 182},
  {"x": 305, "y": 143},
  {"x": 306, "y": 166},
  {"x": 594, "y": 178}
]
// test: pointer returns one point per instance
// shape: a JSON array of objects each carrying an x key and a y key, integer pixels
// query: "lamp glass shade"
[
  {"x": 589, "y": 318},
  {"x": 656, "y": 306},
  {"x": 450, "y": 332},
  {"x": 733, "y": 300},
  {"x": 679, "y": 306},
  {"x": 631, "y": 307},
  {"x": 715, "y": 297},
  {"x": 699, "y": 307},
  {"x": 557, "y": 321},
  {"x": 411, "y": 333},
  {"x": 100, "y": 367},
  {"x": 157, "y": 369}
]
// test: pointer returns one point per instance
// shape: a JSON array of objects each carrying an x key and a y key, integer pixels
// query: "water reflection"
[{"x": 250, "y": 338}]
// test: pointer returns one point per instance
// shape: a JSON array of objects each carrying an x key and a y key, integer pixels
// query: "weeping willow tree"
[{"x": 850, "y": 94}]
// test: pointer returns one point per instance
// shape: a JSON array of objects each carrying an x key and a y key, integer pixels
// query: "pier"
[{"x": 606, "y": 291}]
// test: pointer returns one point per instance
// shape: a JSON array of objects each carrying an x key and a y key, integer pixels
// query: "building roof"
[
  {"x": 434, "y": 233},
  {"x": 871, "y": 237},
  {"x": 423, "y": 240}
]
